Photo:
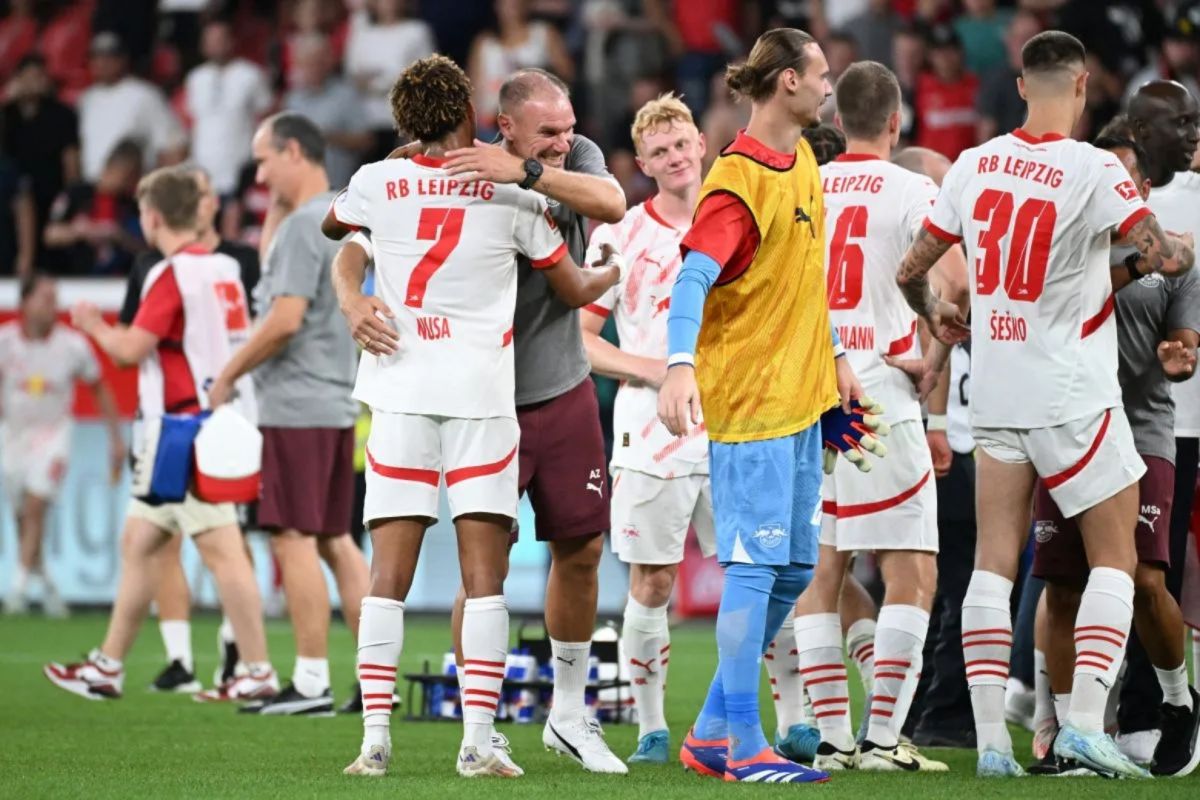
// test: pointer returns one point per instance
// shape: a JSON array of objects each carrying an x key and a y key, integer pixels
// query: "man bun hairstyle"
[
  {"x": 1051, "y": 51},
  {"x": 776, "y": 50},
  {"x": 174, "y": 193},
  {"x": 430, "y": 99},
  {"x": 867, "y": 94}
]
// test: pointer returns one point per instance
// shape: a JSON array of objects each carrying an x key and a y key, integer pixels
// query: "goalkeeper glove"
[{"x": 853, "y": 435}]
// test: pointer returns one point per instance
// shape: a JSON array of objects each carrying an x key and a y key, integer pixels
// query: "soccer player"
[
  {"x": 40, "y": 361},
  {"x": 192, "y": 316},
  {"x": 562, "y": 457},
  {"x": 749, "y": 333},
  {"x": 442, "y": 298},
  {"x": 303, "y": 366},
  {"x": 1037, "y": 210},
  {"x": 875, "y": 209},
  {"x": 660, "y": 482},
  {"x": 173, "y": 601},
  {"x": 1158, "y": 320}
]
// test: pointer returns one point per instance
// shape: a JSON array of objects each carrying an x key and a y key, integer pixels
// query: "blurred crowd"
[{"x": 97, "y": 91}]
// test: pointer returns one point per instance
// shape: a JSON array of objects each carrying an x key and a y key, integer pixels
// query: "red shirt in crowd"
[
  {"x": 697, "y": 21},
  {"x": 946, "y": 113}
]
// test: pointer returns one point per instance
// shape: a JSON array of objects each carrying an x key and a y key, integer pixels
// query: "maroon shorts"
[
  {"x": 308, "y": 480},
  {"x": 1058, "y": 546},
  {"x": 562, "y": 464}
]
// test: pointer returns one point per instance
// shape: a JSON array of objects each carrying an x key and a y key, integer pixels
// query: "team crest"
[
  {"x": 770, "y": 535},
  {"x": 1152, "y": 281},
  {"x": 1044, "y": 530}
]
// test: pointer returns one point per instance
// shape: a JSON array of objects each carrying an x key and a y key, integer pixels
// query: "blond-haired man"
[{"x": 660, "y": 482}]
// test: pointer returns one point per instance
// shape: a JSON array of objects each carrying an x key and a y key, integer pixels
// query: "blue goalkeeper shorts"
[{"x": 767, "y": 499}]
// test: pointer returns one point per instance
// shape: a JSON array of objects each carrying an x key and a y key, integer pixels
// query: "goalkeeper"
[{"x": 765, "y": 363}]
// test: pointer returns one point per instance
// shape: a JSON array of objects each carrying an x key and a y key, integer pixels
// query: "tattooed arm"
[
  {"x": 945, "y": 321},
  {"x": 1160, "y": 251}
]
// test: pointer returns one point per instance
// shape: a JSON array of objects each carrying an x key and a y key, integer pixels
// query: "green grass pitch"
[{"x": 56, "y": 745}]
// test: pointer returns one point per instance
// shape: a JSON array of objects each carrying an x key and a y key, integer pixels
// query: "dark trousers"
[
  {"x": 1141, "y": 695},
  {"x": 942, "y": 703}
]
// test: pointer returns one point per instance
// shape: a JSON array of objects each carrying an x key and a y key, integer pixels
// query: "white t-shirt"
[
  {"x": 445, "y": 254},
  {"x": 376, "y": 54},
  {"x": 225, "y": 102},
  {"x": 641, "y": 303},
  {"x": 37, "y": 376},
  {"x": 1177, "y": 206},
  {"x": 874, "y": 209},
  {"x": 131, "y": 108},
  {"x": 1037, "y": 216}
]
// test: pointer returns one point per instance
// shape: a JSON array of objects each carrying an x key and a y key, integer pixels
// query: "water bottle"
[
  {"x": 527, "y": 698},
  {"x": 590, "y": 696},
  {"x": 448, "y": 703}
]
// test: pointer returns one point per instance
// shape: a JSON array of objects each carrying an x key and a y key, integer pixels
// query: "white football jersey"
[
  {"x": 873, "y": 210},
  {"x": 445, "y": 254},
  {"x": 640, "y": 304},
  {"x": 37, "y": 376},
  {"x": 1177, "y": 206},
  {"x": 1037, "y": 217}
]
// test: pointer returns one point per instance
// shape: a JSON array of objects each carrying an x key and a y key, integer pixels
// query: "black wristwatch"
[
  {"x": 1131, "y": 264},
  {"x": 533, "y": 173}
]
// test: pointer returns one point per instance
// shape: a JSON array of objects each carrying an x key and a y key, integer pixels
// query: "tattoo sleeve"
[
  {"x": 913, "y": 277},
  {"x": 1155, "y": 246}
]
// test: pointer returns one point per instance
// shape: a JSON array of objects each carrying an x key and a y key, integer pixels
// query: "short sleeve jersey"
[
  {"x": 445, "y": 253},
  {"x": 37, "y": 376},
  {"x": 639, "y": 305},
  {"x": 874, "y": 210},
  {"x": 1037, "y": 215}
]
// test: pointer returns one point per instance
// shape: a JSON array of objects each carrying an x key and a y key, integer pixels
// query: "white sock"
[
  {"x": 1043, "y": 699},
  {"x": 380, "y": 642},
  {"x": 485, "y": 654},
  {"x": 860, "y": 646},
  {"x": 20, "y": 581},
  {"x": 646, "y": 639},
  {"x": 783, "y": 667},
  {"x": 311, "y": 676},
  {"x": 225, "y": 632},
  {"x": 987, "y": 647},
  {"x": 177, "y": 640},
  {"x": 899, "y": 637},
  {"x": 819, "y": 640},
  {"x": 1101, "y": 628},
  {"x": 570, "y": 679},
  {"x": 1174, "y": 683},
  {"x": 106, "y": 663},
  {"x": 1062, "y": 702}
]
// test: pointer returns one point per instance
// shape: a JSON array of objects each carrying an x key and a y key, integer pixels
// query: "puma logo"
[
  {"x": 646, "y": 665},
  {"x": 595, "y": 487},
  {"x": 802, "y": 215},
  {"x": 570, "y": 662}
]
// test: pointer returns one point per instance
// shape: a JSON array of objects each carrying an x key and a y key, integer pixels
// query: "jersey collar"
[
  {"x": 428, "y": 161},
  {"x": 748, "y": 146},
  {"x": 857, "y": 157},
  {"x": 654, "y": 215},
  {"x": 1026, "y": 137}
]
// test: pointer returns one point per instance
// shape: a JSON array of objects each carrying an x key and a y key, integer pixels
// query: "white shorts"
[
  {"x": 35, "y": 462},
  {"x": 189, "y": 518},
  {"x": 892, "y": 507},
  {"x": 651, "y": 516},
  {"x": 1082, "y": 462},
  {"x": 408, "y": 455}
]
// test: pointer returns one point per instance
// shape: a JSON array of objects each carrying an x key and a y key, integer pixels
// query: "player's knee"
[
  {"x": 578, "y": 559},
  {"x": 652, "y": 587},
  {"x": 483, "y": 581},
  {"x": 388, "y": 582},
  {"x": 1149, "y": 582}
]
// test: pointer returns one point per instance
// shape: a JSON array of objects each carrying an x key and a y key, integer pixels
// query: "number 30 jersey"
[
  {"x": 445, "y": 254},
  {"x": 873, "y": 210},
  {"x": 1037, "y": 216}
]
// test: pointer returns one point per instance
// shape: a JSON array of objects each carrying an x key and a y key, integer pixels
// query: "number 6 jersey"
[
  {"x": 1037, "y": 216},
  {"x": 445, "y": 253},
  {"x": 873, "y": 210}
]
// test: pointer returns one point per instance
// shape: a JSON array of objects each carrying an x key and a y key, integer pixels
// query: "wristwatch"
[{"x": 533, "y": 173}]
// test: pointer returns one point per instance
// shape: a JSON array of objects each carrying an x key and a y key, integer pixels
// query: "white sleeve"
[
  {"x": 944, "y": 221},
  {"x": 920, "y": 196},
  {"x": 605, "y": 234},
  {"x": 1114, "y": 201},
  {"x": 536, "y": 234},
  {"x": 362, "y": 240},
  {"x": 351, "y": 206}
]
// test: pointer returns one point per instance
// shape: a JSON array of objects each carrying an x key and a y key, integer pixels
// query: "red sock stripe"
[
  {"x": 771, "y": 646},
  {"x": 901, "y": 664},
  {"x": 375, "y": 676},
  {"x": 988, "y": 642},
  {"x": 663, "y": 662},
  {"x": 480, "y": 673},
  {"x": 880, "y": 712},
  {"x": 828, "y": 701},
  {"x": 831, "y": 679},
  {"x": 818, "y": 668},
  {"x": 1102, "y": 628},
  {"x": 484, "y": 692},
  {"x": 775, "y": 697},
  {"x": 377, "y": 707},
  {"x": 859, "y": 654},
  {"x": 768, "y": 657},
  {"x": 377, "y": 695},
  {"x": 979, "y": 673},
  {"x": 989, "y": 661},
  {"x": 988, "y": 632},
  {"x": 773, "y": 681},
  {"x": 477, "y": 662},
  {"x": 380, "y": 667},
  {"x": 1095, "y": 637},
  {"x": 883, "y": 699},
  {"x": 793, "y": 652},
  {"x": 1094, "y": 654},
  {"x": 823, "y": 714},
  {"x": 480, "y": 704},
  {"x": 1093, "y": 664},
  {"x": 897, "y": 675},
  {"x": 665, "y": 649}
]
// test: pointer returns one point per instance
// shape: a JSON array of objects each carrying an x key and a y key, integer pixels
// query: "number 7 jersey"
[
  {"x": 1037, "y": 216},
  {"x": 445, "y": 254}
]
